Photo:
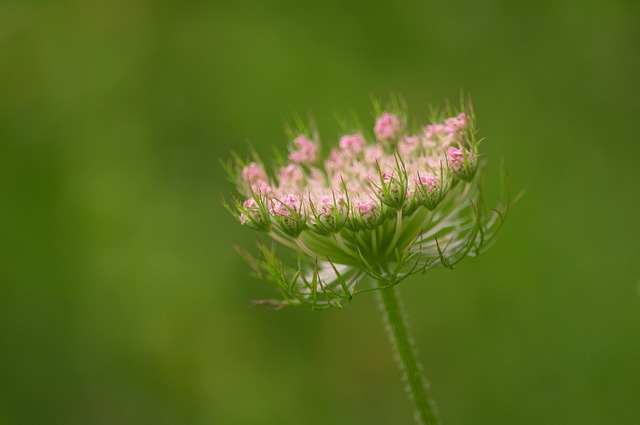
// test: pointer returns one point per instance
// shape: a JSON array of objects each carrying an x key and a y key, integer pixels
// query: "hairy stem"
[{"x": 417, "y": 386}]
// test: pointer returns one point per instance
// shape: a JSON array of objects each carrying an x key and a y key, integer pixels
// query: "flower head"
[{"x": 384, "y": 209}]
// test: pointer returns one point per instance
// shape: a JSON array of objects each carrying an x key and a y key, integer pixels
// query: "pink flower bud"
[
  {"x": 326, "y": 203},
  {"x": 285, "y": 205},
  {"x": 252, "y": 208},
  {"x": 456, "y": 157},
  {"x": 366, "y": 208},
  {"x": 253, "y": 173},
  {"x": 387, "y": 127},
  {"x": 261, "y": 187},
  {"x": 462, "y": 120},
  {"x": 431, "y": 183},
  {"x": 250, "y": 203},
  {"x": 353, "y": 143},
  {"x": 307, "y": 152}
]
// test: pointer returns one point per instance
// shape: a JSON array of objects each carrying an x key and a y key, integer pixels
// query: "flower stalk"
[{"x": 402, "y": 341}]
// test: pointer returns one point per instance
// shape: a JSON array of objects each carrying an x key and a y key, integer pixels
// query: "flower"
[
  {"x": 374, "y": 213},
  {"x": 387, "y": 127},
  {"x": 353, "y": 143},
  {"x": 306, "y": 152}
]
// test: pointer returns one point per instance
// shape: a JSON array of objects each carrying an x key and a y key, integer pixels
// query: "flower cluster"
[{"x": 383, "y": 206}]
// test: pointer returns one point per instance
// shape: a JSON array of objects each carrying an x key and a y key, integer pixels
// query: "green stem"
[
  {"x": 374, "y": 243},
  {"x": 396, "y": 235},
  {"x": 344, "y": 246},
  {"x": 399, "y": 335}
]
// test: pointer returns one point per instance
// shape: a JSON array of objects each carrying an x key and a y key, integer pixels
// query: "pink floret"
[
  {"x": 429, "y": 182},
  {"x": 366, "y": 208},
  {"x": 456, "y": 157},
  {"x": 353, "y": 143},
  {"x": 387, "y": 127},
  {"x": 307, "y": 152},
  {"x": 286, "y": 205},
  {"x": 253, "y": 173}
]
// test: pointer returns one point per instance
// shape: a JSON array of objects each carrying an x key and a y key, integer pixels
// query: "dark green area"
[{"x": 122, "y": 301}]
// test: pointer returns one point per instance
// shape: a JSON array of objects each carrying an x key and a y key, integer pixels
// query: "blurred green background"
[{"x": 122, "y": 301}]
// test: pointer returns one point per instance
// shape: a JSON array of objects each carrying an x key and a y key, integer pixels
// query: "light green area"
[{"x": 122, "y": 301}]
